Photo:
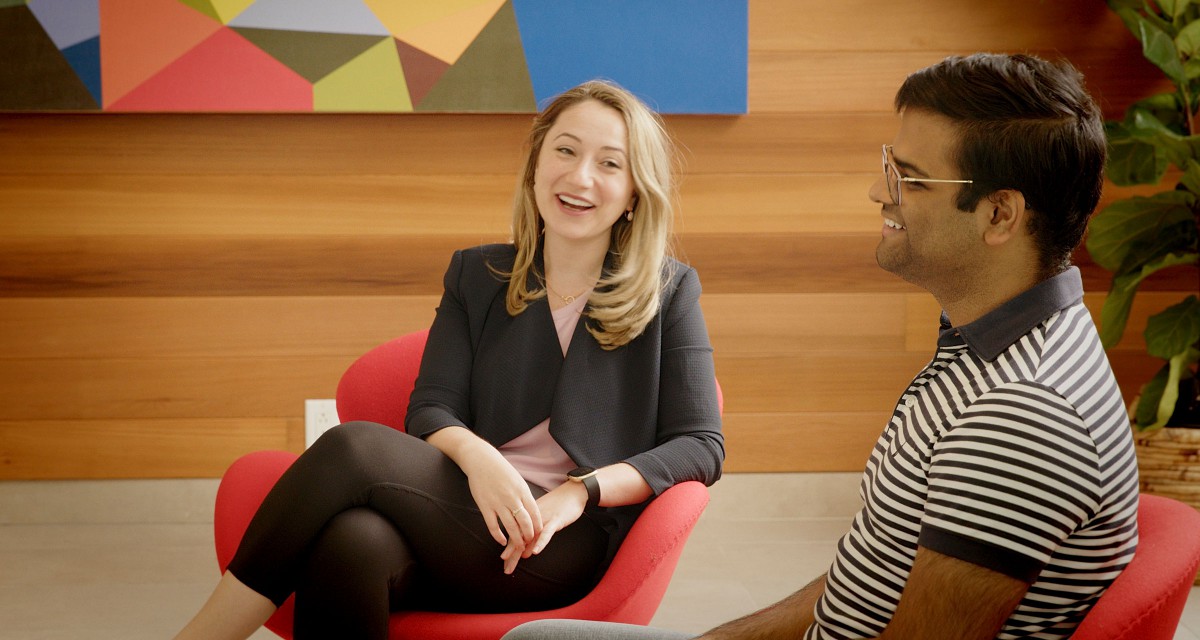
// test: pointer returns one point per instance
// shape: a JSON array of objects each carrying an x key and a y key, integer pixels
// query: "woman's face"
[{"x": 583, "y": 183}]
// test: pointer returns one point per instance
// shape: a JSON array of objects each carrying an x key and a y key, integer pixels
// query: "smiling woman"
[
  {"x": 470, "y": 509},
  {"x": 582, "y": 185}
]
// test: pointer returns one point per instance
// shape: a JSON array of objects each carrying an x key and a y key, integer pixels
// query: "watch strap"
[{"x": 593, "y": 490}]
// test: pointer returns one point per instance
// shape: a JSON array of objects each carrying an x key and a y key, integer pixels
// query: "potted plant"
[{"x": 1141, "y": 235}]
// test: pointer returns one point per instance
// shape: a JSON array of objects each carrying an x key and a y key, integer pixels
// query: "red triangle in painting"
[
  {"x": 224, "y": 73},
  {"x": 421, "y": 70},
  {"x": 142, "y": 38}
]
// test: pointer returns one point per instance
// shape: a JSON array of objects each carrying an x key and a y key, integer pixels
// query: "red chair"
[
  {"x": 376, "y": 388},
  {"x": 1147, "y": 599}
]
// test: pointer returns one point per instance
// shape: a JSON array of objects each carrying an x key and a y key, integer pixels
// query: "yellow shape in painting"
[
  {"x": 399, "y": 17},
  {"x": 373, "y": 81},
  {"x": 229, "y": 9},
  {"x": 447, "y": 37}
]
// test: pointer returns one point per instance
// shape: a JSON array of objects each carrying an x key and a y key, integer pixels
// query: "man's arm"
[
  {"x": 950, "y": 598},
  {"x": 789, "y": 618}
]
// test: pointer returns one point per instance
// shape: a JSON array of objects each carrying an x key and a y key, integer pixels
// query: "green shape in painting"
[
  {"x": 491, "y": 74},
  {"x": 373, "y": 81},
  {"x": 11, "y": 3},
  {"x": 203, "y": 6},
  {"x": 311, "y": 54}
]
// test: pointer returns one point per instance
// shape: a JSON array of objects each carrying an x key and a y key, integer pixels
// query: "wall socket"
[{"x": 319, "y": 416}]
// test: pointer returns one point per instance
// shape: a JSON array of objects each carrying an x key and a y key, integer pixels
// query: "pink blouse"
[{"x": 535, "y": 454}]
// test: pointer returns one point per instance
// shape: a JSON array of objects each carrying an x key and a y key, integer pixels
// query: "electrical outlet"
[{"x": 319, "y": 416}]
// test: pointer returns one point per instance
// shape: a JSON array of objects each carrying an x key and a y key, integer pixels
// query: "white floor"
[{"x": 133, "y": 559}]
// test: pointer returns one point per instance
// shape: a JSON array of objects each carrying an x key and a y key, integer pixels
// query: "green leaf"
[
  {"x": 1159, "y": 48},
  {"x": 1187, "y": 41},
  {"x": 1144, "y": 125},
  {"x": 1114, "y": 314},
  {"x": 1156, "y": 19},
  {"x": 1191, "y": 177},
  {"x": 1166, "y": 107},
  {"x": 1178, "y": 239},
  {"x": 1171, "y": 331},
  {"x": 1115, "y": 228},
  {"x": 1130, "y": 160},
  {"x": 1169, "y": 394},
  {"x": 1174, "y": 8},
  {"x": 1150, "y": 398}
]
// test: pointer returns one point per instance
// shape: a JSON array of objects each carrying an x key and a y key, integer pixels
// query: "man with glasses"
[{"x": 1001, "y": 498}]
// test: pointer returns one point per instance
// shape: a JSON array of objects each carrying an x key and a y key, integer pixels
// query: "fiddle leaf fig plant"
[{"x": 1137, "y": 237}]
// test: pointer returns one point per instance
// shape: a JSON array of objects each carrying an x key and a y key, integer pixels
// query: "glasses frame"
[{"x": 893, "y": 179}]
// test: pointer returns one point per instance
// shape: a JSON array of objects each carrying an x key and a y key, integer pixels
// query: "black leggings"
[{"x": 371, "y": 520}]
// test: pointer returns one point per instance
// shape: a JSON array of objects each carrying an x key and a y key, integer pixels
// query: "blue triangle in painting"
[{"x": 84, "y": 58}]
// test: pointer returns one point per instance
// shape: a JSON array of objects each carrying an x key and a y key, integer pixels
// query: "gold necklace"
[{"x": 565, "y": 299}]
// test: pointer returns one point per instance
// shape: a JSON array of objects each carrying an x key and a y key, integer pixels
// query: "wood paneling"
[
  {"x": 866, "y": 81},
  {"x": 199, "y": 327},
  {"x": 172, "y": 287},
  {"x": 774, "y": 441},
  {"x": 131, "y": 448}
]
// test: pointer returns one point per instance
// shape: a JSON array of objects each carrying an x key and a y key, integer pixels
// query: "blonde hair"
[{"x": 628, "y": 296}]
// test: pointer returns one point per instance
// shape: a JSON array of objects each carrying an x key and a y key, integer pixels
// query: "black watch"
[{"x": 587, "y": 476}]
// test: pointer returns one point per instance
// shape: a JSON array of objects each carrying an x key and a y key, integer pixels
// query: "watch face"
[{"x": 580, "y": 472}]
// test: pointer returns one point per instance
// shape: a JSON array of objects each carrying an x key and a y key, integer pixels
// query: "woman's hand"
[
  {"x": 559, "y": 509},
  {"x": 506, "y": 503},
  {"x": 500, "y": 493}
]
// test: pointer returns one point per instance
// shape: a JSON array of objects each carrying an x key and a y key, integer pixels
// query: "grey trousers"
[{"x": 583, "y": 630}]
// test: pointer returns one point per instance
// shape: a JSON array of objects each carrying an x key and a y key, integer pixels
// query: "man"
[{"x": 1001, "y": 499}]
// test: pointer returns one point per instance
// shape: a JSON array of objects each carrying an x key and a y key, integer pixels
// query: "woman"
[{"x": 526, "y": 457}]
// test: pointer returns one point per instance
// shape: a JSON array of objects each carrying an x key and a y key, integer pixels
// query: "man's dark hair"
[{"x": 1024, "y": 124}]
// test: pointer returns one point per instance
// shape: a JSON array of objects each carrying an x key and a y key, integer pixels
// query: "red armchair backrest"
[{"x": 376, "y": 387}]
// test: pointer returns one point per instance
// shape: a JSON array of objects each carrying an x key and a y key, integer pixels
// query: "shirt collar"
[{"x": 997, "y": 330}]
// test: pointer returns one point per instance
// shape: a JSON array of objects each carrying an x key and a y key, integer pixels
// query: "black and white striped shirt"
[{"x": 1012, "y": 451}]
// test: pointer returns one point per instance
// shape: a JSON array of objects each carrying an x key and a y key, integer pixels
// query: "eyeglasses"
[{"x": 892, "y": 176}]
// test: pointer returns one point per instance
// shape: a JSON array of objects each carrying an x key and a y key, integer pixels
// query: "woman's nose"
[{"x": 581, "y": 174}]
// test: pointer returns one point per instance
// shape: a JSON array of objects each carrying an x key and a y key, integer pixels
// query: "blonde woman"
[{"x": 567, "y": 380}]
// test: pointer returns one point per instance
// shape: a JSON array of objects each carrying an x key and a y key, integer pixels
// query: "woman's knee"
[
  {"x": 353, "y": 440},
  {"x": 361, "y": 539}
]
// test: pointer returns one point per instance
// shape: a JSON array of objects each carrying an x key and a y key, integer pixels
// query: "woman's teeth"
[
  {"x": 575, "y": 203},
  {"x": 893, "y": 224}
]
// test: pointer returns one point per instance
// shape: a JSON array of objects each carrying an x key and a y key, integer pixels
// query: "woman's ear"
[{"x": 1006, "y": 216}]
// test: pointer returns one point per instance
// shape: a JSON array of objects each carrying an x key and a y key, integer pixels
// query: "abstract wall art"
[{"x": 682, "y": 56}]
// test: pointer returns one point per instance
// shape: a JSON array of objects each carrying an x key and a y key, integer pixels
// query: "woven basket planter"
[{"x": 1169, "y": 464}]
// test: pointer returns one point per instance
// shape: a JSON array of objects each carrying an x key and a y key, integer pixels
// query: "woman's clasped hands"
[{"x": 515, "y": 519}]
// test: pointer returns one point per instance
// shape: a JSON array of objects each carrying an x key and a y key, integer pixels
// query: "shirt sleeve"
[
  {"x": 690, "y": 445},
  {"x": 1010, "y": 480},
  {"x": 441, "y": 396}
]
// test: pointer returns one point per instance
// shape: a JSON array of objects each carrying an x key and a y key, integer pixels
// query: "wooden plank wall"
[{"x": 172, "y": 287}]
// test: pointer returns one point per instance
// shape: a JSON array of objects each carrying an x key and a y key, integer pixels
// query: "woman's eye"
[
  {"x": 612, "y": 164},
  {"x": 567, "y": 151}
]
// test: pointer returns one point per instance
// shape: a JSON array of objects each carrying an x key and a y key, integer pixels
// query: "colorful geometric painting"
[{"x": 366, "y": 55}]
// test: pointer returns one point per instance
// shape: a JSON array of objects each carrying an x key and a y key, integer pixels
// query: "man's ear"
[{"x": 1006, "y": 216}]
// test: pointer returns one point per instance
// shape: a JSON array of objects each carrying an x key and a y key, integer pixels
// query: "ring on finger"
[{"x": 517, "y": 511}]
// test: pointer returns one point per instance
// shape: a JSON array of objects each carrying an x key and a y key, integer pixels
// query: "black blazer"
[{"x": 651, "y": 403}]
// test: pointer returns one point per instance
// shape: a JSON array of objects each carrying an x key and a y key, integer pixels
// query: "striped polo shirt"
[{"x": 1011, "y": 450}]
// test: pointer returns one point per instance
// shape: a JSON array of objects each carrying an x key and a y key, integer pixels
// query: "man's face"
[{"x": 927, "y": 240}]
